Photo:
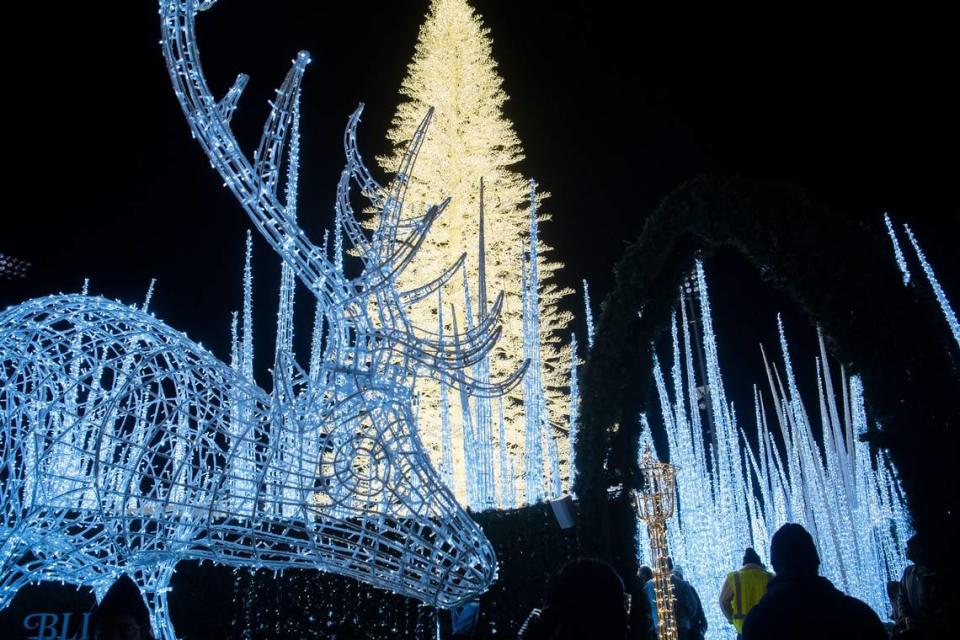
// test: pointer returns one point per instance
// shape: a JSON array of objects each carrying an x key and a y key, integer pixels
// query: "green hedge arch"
[{"x": 843, "y": 275}]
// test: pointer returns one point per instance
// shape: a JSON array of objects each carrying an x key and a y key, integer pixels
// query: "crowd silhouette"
[{"x": 587, "y": 598}]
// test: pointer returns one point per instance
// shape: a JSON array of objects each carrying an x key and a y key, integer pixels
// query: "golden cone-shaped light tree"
[{"x": 470, "y": 139}]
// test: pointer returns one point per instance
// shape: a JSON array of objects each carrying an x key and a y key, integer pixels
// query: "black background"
[{"x": 615, "y": 108}]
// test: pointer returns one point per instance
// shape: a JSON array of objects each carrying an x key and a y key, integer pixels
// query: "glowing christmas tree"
[{"x": 470, "y": 139}]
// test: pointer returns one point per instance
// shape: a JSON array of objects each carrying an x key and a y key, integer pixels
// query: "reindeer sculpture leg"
[
  {"x": 12, "y": 579},
  {"x": 100, "y": 590},
  {"x": 154, "y": 584},
  {"x": 21, "y": 566}
]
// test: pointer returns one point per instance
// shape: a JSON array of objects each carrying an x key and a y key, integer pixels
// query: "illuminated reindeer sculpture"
[{"x": 125, "y": 447}]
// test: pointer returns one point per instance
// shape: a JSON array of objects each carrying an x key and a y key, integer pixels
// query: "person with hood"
[
  {"x": 743, "y": 589},
  {"x": 800, "y": 603}
]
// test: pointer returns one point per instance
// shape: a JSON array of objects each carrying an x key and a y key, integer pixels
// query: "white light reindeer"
[{"x": 125, "y": 447}]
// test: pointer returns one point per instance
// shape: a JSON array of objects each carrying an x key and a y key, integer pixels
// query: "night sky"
[{"x": 615, "y": 109}]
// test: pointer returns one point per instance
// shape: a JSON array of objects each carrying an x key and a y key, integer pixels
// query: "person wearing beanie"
[
  {"x": 743, "y": 589},
  {"x": 800, "y": 603}
]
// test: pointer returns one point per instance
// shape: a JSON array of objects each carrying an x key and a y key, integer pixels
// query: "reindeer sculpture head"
[{"x": 125, "y": 447}]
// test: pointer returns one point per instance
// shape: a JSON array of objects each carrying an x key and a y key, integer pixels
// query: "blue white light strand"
[
  {"x": 948, "y": 312},
  {"x": 588, "y": 312},
  {"x": 897, "y": 251},
  {"x": 574, "y": 409},
  {"x": 536, "y": 467}
]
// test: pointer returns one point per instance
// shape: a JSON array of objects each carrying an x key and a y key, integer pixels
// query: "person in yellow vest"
[{"x": 742, "y": 589}]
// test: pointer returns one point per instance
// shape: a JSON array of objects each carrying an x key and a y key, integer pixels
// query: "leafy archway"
[{"x": 843, "y": 276}]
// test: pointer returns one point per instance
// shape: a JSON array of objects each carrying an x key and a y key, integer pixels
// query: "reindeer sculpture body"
[{"x": 125, "y": 447}]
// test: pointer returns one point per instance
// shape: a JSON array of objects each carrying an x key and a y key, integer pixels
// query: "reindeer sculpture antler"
[{"x": 125, "y": 447}]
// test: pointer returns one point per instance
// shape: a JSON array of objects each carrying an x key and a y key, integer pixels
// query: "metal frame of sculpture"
[{"x": 126, "y": 447}]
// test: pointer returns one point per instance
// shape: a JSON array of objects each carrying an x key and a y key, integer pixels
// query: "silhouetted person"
[
  {"x": 641, "y": 621},
  {"x": 691, "y": 619},
  {"x": 799, "y": 603},
  {"x": 641, "y": 609},
  {"x": 122, "y": 614},
  {"x": 893, "y": 599},
  {"x": 586, "y": 599},
  {"x": 688, "y": 609},
  {"x": 743, "y": 589},
  {"x": 917, "y": 604}
]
